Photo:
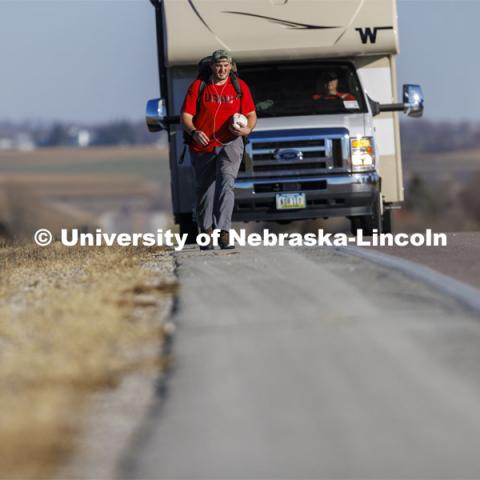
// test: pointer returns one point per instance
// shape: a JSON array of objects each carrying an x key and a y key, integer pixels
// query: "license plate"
[{"x": 287, "y": 201}]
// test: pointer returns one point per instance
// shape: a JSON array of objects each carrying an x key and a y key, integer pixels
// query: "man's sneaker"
[
  {"x": 209, "y": 245},
  {"x": 224, "y": 240}
]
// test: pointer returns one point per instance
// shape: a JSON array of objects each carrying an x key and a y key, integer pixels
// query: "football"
[{"x": 239, "y": 121}]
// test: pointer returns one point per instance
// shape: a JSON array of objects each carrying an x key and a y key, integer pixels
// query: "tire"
[
  {"x": 368, "y": 223},
  {"x": 354, "y": 225},
  {"x": 189, "y": 227},
  {"x": 387, "y": 226}
]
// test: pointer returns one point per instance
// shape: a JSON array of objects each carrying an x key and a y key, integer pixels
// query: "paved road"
[
  {"x": 309, "y": 363},
  {"x": 459, "y": 259}
]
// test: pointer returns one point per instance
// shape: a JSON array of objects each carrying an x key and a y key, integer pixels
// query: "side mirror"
[
  {"x": 413, "y": 103},
  {"x": 156, "y": 114},
  {"x": 413, "y": 100}
]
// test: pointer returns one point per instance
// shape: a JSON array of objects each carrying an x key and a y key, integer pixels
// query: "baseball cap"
[{"x": 219, "y": 55}]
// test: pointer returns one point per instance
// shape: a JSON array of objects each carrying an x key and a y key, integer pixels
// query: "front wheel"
[
  {"x": 369, "y": 223},
  {"x": 354, "y": 225},
  {"x": 387, "y": 223}
]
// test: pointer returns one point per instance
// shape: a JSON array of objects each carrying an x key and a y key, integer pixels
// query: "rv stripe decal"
[
  {"x": 206, "y": 25},
  {"x": 199, "y": 16},
  {"x": 286, "y": 23}
]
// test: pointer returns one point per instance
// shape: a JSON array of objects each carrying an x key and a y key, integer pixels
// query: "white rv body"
[
  {"x": 362, "y": 33},
  {"x": 266, "y": 30}
]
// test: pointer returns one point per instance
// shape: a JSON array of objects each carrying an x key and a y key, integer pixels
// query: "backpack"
[{"x": 204, "y": 73}]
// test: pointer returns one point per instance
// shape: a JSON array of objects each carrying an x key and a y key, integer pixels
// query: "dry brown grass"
[
  {"x": 60, "y": 156},
  {"x": 71, "y": 321}
]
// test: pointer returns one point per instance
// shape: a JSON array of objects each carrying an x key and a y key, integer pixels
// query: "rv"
[{"x": 323, "y": 77}]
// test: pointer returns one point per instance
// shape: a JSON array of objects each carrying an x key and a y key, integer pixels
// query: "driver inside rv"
[{"x": 304, "y": 89}]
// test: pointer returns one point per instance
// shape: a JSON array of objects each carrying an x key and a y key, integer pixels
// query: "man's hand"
[
  {"x": 197, "y": 136},
  {"x": 242, "y": 132},
  {"x": 201, "y": 138}
]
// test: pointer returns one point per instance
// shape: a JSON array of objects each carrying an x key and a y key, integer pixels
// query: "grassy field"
[
  {"x": 457, "y": 166},
  {"x": 148, "y": 162},
  {"x": 87, "y": 182},
  {"x": 441, "y": 192},
  {"x": 72, "y": 321}
]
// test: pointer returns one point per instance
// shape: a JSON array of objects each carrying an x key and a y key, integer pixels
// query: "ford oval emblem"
[{"x": 288, "y": 154}]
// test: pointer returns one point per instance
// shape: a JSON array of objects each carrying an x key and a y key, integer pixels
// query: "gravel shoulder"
[{"x": 112, "y": 416}]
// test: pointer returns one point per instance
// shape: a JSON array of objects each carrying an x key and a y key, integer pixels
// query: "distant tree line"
[
  {"x": 60, "y": 134},
  {"x": 423, "y": 136},
  {"x": 108, "y": 134}
]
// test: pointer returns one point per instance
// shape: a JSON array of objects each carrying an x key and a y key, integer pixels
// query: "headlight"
[{"x": 363, "y": 153}]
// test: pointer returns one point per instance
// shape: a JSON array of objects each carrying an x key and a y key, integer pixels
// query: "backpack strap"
[
  {"x": 236, "y": 83},
  {"x": 187, "y": 138},
  {"x": 236, "y": 86},
  {"x": 201, "y": 89}
]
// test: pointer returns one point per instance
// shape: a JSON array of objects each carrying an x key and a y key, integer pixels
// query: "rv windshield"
[{"x": 304, "y": 89}]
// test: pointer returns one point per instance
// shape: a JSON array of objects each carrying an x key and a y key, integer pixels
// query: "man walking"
[{"x": 216, "y": 147}]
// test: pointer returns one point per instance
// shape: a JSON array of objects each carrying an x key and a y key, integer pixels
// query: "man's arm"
[
  {"x": 246, "y": 105},
  {"x": 252, "y": 120},
  {"x": 197, "y": 135}
]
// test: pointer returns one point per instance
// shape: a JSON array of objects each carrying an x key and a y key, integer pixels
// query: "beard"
[{"x": 219, "y": 77}]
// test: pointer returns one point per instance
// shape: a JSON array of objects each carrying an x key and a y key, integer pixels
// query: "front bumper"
[{"x": 332, "y": 195}]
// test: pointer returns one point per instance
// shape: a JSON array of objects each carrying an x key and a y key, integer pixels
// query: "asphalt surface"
[
  {"x": 310, "y": 363},
  {"x": 459, "y": 258}
]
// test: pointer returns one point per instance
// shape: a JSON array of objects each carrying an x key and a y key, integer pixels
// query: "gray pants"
[{"x": 215, "y": 174}]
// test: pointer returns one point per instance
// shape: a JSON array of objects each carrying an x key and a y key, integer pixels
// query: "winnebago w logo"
[{"x": 368, "y": 33}]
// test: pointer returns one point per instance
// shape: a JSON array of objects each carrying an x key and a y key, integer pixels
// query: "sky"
[{"x": 93, "y": 61}]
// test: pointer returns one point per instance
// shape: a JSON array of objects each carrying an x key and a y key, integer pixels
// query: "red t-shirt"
[{"x": 218, "y": 104}]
